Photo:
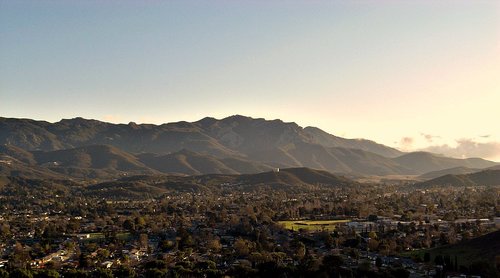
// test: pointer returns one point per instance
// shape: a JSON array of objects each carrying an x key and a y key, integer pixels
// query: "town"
[{"x": 360, "y": 231}]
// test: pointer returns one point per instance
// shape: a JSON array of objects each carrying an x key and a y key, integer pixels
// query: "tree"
[
  {"x": 427, "y": 257},
  {"x": 140, "y": 222},
  {"x": 102, "y": 273},
  {"x": 300, "y": 250},
  {"x": 483, "y": 268},
  {"x": 103, "y": 254},
  {"x": 373, "y": 244},
  {"x": 143, "y": 240},
  {"x": 241, "y": 247},
  {"x": 155, "y": 273},
  {"x": 76, "y": 273},
  {"x": 214, "y": 245},
  {"x": 438, "y": 260},
  {"x": 400, "y": 273},
  {"x": 331, "y": 265},
  {"x": 372, "y": 235},
  {"x": 125, "y": 272},
  {"x": 47, "y": 274},
  {"x": 19, "y": 256},
  {"x": 20, "y": 273},
  {"x": 129, "y": 225}
]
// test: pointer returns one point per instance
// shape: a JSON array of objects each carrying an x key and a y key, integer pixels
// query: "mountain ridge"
[{"x": 232, "y": 145}]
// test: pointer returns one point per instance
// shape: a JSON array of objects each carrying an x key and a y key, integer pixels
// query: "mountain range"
[{"x": 82, "y": 148}]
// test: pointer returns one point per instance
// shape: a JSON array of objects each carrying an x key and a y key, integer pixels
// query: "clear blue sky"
[{"x": 391, "y": 71}]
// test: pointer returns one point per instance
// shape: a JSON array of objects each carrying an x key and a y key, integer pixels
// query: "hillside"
[
  {"x": 13, "y": 168},
  {"x": 192, "y": 163},
  {"x": 296, "y": 176},
  {"x": 484, "y": 178},
  {"x": 484, "y": 247},
  {"x": 95, "y": 156},
  {"x": 450, "y": 171},
  {"x": 288, "y": 180},
  {"x": 328, "y": 140},
  {"x": 424, "y": 162}
]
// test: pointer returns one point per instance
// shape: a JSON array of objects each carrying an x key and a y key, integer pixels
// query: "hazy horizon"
[{"x": 410, "y": 75}]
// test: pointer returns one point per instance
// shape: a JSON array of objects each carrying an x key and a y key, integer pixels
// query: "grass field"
[
  {"x": 101, "y": 236},
  {"x": 311, "y": 225}
]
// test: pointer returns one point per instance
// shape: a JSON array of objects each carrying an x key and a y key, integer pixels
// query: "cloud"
[
  {"x": 429, "y": 138},
  {"x": 406, "y": 143},
  {"x": 468, "y": 148},
  {"x": 485, "y": 136}
]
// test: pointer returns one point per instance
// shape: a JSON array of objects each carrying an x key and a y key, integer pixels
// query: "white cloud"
[
  {"x": 429, "y": 137},
  {"x": 468, "y": 148},
  {"x": 406, "y": 143}
]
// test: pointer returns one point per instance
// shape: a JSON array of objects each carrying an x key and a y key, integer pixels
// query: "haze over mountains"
[{"x": 234, "y": 145}]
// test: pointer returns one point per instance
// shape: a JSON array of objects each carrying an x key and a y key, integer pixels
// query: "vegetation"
[
  {"x": 311, "y": 225},
  {"x": 234, "y": 225}
]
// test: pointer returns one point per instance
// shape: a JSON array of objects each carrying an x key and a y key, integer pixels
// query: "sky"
[{"x": 415, "y": 75}]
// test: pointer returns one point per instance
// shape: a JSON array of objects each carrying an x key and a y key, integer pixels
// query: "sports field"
[{"x": 311, "y": 225}]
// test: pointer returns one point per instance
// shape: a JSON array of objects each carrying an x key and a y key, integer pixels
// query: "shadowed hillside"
[
  {"x": 450, "y": 171},
  {"x": 485, "y": 247},
  {"x": 484, "y": 178},
  {"x": 191, "y": 163},
  {"x": 288, "y": 180},
  {"x": 424, "y": 162}
]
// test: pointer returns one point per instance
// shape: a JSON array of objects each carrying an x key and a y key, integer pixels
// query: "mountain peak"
[{"x": 238, "y": 118}]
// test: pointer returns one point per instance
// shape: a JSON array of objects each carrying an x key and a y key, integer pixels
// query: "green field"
[
  {"x": 311, "y": 225},
  {"x": 102, "y": 236}
]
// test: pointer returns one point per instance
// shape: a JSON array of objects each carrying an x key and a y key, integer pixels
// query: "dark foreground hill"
[{"x": 486, "y": 247}]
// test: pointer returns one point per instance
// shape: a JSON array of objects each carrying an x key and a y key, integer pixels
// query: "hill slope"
[
  {"x": 485, "y": 178},
  {"x": 191, "y": 163},
  {"x": 288, "y": 180},
  {"x": 328, "y": 140},
  {"x": 450, "y": 171},
  {"x": 424, "y": 162},
  {"x": 484, "y": 247}
]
